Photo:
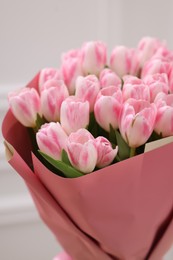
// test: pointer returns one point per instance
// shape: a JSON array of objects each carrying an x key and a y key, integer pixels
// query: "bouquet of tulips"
[{"x": 93, "y": 141}]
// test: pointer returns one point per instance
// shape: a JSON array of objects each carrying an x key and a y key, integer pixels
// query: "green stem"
[{"x": 132, "y": 151}]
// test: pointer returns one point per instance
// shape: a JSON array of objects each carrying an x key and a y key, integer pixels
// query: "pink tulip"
[
  {"x": 47, "y": 74},
  {"x": 155, "y": 66},
  {"x": 163, "y": 54},
  {"x": 156, "y": 83},
  {"x": 87, "y": 89},
  {"x": 105, "y": 152},
  {"x": 163, "y": 99},
  {"x": 53, "y": 83},
  {"x": 51, "y": 139},
  {"x": 164, "y": 118},
  {"x": 93, "y": 57},
  {"x": 25, "y": 106},
  {"x": 124, "y": 61},
  {"x": 109, "y": 78},
  {"x": 137, "y": 122},
  {"x": 148, "y": 46},
  {"x": 82, "y": 151},
  {"x": 62, "y": 256},
  {"x": 171, "y": 80},
  {"x": 113, "y": 91},
  {"x": 71, "y": 68},
  {"x": 52, "y": 97},
  {"x": 74, "y": 114},
  {"x": 135, "y": 88},
  {"x": 107, "y": 107},
  {"x": 132, "y": 80}
]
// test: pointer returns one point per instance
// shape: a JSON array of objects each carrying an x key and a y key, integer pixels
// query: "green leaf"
[
  {"x": 68, "y": 170},
  {"x": 123, "y": 148},
  {"x": 65, "y": 158},
  {"x": 92, "y": 127}
]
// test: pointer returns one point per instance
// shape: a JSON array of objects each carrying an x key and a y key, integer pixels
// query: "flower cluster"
[{"x": 98, "y": 111}]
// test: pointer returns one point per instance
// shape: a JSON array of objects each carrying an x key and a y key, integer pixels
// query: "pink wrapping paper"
[{"x": 124, "y": 211}]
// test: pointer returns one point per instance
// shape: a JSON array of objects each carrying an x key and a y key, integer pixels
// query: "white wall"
[{"x": 32, "y": 36}]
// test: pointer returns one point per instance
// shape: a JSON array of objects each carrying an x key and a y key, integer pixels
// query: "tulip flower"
[
  {"x": 87, "y": 89},
  {"x": 156, "y": 83},
  {"x": 132, "y": 80},
  {"x": 82, "y": 151},
  {"x": 48, "y": 74},
  {"x": 107, "y": 107},
  {"x": 54, "y": 93},
  {"x": 164, "y": 118},
  {"x": 109, "y": 78},
  {"x": 94, "y": 55},
  {"x": 62, "y": 256},
  {"x": 25, "y": 105},
  {"x": 135, "y": 88},
  {"x": 124, "y": 61},
  {"x": 113, "y": 91},
  {"x": 154, "y": 66},
  {"x": 171, "y": 80},
  {"x": 53, "y": 83},
  {"x": 51, "y": 140},
  {"x": 105, "y": 152},
  {"x": 71, "y": 68},
  {"x": 148, "y": 46},
  {"x": 137, "y": 121},
  {"x": 163, "y": 54},
  {"x": 74, "y": 114}
]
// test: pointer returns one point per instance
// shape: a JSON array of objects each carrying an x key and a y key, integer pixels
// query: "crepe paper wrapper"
[{"x": 123, "y": 211}]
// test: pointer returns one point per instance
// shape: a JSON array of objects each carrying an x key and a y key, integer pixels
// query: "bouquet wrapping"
[{"x": 121, "y": 211}]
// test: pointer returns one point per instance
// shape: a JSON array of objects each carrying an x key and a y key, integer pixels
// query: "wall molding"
[{"x": 17, "y": 210}]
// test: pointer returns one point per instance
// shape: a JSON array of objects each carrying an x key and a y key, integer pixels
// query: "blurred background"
[{"x": 33, "y": 34}]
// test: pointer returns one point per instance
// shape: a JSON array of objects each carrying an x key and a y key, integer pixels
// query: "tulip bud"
[
  {"x": 25, "y": 105},
  {"x": 93, "y": 57},
  {"x": 51, "y": 139},
  {"x": 156, "y": 83},
  {"x": 74, "y": 114},
  {"x": 71, "y": 69},
  {"x": 124, "y": 61},
  {"x": 163, "y": 54},
  {"x": 48, "y": 74},
  {"x": 171, "y": 80},
  {"x": 164, "y": 118},
  {"x": 155, "y": 66},
  {"x": 113, "y": 91},
  {"x": 105, "y": 152},
  {"x": 107, "y": 107},
  {"x": 148, "y": 47},
  {"x": 132, "y": 80},
  {"x": 135, "y": 88},
  {"x": 62, "y": 256},
  {"x": 109, "y": 78},
  {"x": 137, "y": 121},
  {"x": 54, "y": 93},
  {"x": 87, "y": 89},
  {"x": 82, "y": 151}
]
